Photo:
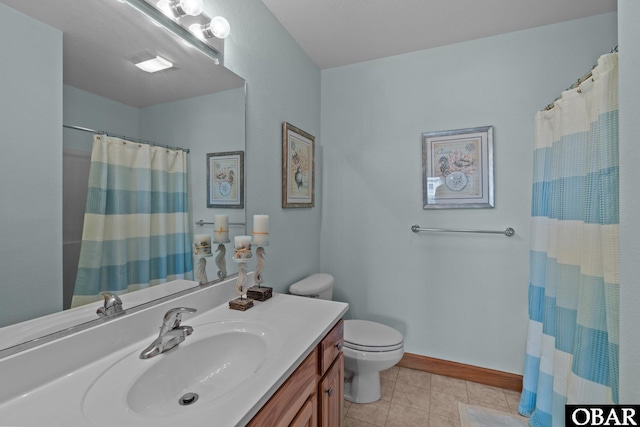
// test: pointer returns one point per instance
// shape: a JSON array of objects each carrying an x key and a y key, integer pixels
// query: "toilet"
[{"x": 369, "y": 347}]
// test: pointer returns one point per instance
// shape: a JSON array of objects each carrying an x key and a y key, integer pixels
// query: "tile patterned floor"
[{"x": 415, "y": 398}]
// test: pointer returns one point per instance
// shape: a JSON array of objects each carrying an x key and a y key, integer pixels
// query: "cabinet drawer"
[
  {"x": 331, "y": 346},
  {"x": 291, "y": 397}
]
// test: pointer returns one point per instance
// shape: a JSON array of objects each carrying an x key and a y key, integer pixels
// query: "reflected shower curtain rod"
[
  {"x": 579, "y": 81},
  {"x": 140, "y": 141}
]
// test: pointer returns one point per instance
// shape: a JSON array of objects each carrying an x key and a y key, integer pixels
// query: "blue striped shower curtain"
[
  {"x": 136, "y": 226},
  {"x": 572, "y": 346}
]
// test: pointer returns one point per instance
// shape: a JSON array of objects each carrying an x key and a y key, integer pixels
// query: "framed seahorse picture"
[
  {"x": 457, "y": 168},
  {"x": 225, "y": 180},
  {"x": 298, "y": 167}
]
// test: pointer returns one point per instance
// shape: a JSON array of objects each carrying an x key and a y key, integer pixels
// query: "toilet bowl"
[{"x": 369, "y": 347}]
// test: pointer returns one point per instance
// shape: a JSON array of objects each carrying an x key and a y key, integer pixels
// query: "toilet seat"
[{"x": 363, "y": 335}]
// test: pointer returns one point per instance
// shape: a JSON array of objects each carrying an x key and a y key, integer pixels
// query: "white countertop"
[{"x": 300, "y": 324}]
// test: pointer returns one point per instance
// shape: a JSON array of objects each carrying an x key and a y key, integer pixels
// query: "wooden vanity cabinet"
[
  {"x": 312, "y": 395},
  {"x": 306, "y": 417},
  {"x": 289, "y": 404},
  {"x": 331, "y": 393}
]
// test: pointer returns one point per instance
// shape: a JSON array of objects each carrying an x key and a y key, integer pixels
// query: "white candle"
[
  {"x": 202, "y": 244},
  {"x": 260, "y": 229},
  {"x": 242, "y": 246},
  {"x": 221, "y": 228},
  {"x": 242, "y": 242}
]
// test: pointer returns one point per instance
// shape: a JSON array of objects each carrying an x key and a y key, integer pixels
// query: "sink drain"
[{"x": 188, "y": 399}]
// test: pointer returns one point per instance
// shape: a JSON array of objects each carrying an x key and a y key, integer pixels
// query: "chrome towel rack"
[
  {"x": 507, "y": 231},
  {"x": 201, "y": 223}
]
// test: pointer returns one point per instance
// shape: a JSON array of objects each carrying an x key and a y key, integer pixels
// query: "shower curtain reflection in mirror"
[{"x": 136, "y": 226}]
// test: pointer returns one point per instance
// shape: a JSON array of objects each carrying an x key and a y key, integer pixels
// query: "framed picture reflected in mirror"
[{"x": 225, "y": 180}]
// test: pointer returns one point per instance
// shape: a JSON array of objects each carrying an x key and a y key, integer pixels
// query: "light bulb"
[
  {"x": 220, "y": 27},
  {"x": 190, "y": 7},
  {"x": 164, "y": 6},
  {"x": 198, "y": 31}
]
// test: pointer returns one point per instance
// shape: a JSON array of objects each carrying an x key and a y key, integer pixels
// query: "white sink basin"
[{"x": 215, "y": 363}]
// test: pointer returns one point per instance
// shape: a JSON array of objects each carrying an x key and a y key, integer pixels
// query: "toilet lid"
[{"x": 366, "y": 335}]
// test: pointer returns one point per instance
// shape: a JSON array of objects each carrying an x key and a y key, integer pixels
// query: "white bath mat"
[{"x": 477, "y": 416}]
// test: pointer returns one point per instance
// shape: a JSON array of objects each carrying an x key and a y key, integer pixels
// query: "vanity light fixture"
[
  {"x": 155, "y": 64},
  {"x": 204, "y": 28},
  {"x": 174, "y": 16}
]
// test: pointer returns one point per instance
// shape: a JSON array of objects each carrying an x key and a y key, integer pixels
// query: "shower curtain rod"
[
  {"x": 578, "y": 82},
  {"x": 140, "y": 141}
]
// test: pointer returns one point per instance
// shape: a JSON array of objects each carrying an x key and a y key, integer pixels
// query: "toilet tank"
[{"x": 319, "y": 285}]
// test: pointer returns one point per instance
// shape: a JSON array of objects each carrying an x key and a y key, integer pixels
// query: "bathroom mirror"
[{"x": 197, "y": 105}]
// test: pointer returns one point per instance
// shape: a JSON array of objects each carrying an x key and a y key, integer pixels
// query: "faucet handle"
[
  {"x": 112, "y": 305},
  {"x": 173, "y": 317}
]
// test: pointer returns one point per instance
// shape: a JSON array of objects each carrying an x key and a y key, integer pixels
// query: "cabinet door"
[
  {"x": 331, "y": 393},
  {"x": 291, "y": 397},
  {"x": 307, "y": 416}
]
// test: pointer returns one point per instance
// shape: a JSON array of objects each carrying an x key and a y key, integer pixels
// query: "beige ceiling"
[{"x": 341, "y": 32}]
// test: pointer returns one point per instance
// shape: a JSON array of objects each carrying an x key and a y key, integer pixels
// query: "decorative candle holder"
[
  {"x": 202, "y": 251},
  {"x": 202, "y": 271},
  {"x": 259, "y": 292},
  {"x": 241, "y": 303},
  {"x": 220, "y": 260}
]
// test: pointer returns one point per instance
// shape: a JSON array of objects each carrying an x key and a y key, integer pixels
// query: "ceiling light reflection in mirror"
[
  {"x": 185, "y": 19},
  {"x": 189, "y": 14}
]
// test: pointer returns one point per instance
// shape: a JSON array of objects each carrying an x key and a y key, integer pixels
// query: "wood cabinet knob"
[
  {"x": 339, "y": 346},
  {"x": 330, "y": 391}
]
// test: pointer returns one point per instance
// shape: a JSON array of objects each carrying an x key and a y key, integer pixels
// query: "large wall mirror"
[{"x": 197, "y": 105}]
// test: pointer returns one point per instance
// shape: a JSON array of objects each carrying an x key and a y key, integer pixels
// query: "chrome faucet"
[
  {"x": 171, "y": 333},
  {"x": 112, "y": 305}
]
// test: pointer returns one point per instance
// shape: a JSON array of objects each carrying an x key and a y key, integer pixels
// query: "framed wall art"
[
  {"x": 298, "y": 167},
  {"x": 225, "y": 180},
  {"x": 457, "y": 168}
]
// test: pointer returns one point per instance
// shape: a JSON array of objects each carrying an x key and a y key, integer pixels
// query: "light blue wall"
[
  {"x": 30, "y": 167},
  {"x": 459, "y": 297},
  {"x": 283, "y": 84},
  {"x": 91, "y": 111},
  {"x": 629, "y": 61}
]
